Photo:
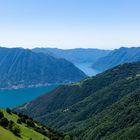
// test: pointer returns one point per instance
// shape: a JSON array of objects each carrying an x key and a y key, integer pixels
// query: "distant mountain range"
[
  {"x": 81, "y": 58},
  {"x": 116, "y": 57},
  {"x": 106, "y": 106},
  {"x": 75, "y": 56},
  {"x": 98, "y": 60},
  {"x": 22, "y": 67}
]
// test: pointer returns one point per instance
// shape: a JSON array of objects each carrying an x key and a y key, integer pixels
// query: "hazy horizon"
[
  {"x": 69, "y": 48},
  {"x": 70, "y": 24}
]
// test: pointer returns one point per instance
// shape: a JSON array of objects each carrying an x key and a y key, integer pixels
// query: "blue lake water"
[{"x": 15, "y": 97}]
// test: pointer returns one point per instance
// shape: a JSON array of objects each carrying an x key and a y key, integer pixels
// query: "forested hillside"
[{"x": 102, "y": 107}]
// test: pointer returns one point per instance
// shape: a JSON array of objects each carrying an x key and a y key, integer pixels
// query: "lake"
[
  {"x": 15, "y": 97},
  {"x": 87, "y": 69}
]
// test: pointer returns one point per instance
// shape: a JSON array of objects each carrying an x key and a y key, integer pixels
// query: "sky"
[{"x": 104, "y": 24}]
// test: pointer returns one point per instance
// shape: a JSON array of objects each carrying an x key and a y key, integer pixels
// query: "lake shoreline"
[
  {"x": 30, "y": 86},
  {"x": 16, "y": 97}
]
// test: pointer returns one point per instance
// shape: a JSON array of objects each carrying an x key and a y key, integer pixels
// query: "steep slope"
[
  {"x": 116, "y": 57},
  {"x": 20, "y": 67},
  {"x": 120, "y": 121},
  {"x": 73, "y": 108},
  {"x": 21, "y": 127},
  {"x": 75, "y": 56}
]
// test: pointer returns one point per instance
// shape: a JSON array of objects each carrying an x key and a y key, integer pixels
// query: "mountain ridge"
[
  {"x": 77, "y": 55},
  {"x": 22, "y": 67},
  {"x": 116, "y": 57}
]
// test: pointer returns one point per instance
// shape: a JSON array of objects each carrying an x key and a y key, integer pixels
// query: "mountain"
[
  {"x": 15, "y": 126},
  {"x": 116, "y": 57},
  {"x": 75, "y": 56},
  {"x": 104, "y": 107},
  {"x": 81, "y": 58},
  {"x": 22, "y": 67}
]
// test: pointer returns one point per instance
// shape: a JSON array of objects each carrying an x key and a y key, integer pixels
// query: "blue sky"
[{"x": 103, "y": 24}]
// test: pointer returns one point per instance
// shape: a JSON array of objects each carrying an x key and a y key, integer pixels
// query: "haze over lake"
[
  {"x": 15, "y": 97},
  {"x": 87, "y": 69}
]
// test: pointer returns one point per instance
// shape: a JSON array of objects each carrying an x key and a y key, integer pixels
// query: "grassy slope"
[{"x": 26, "y": 132}]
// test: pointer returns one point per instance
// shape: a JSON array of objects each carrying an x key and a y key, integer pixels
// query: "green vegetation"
[
  {"x": 104, "y": 107},
  {"x": 15, "y": 126},
  {"x": 120, "y": 121},
  {"x": 8, "y": 110}
]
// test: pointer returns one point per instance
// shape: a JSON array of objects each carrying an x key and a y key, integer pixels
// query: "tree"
[
  {"x": 67, "y": 137},
  {"x": 23, "y": 120},
  {"x": 1, "y": 115},
  {"x": 8, "y": 110},
  {"x": 30, "y": 123},
  {"x": 19, "y": 121},
  {"x": 10, "y": 125},
  {"x": 4, "y": 122},
  {"x": 16, "y": 130}
]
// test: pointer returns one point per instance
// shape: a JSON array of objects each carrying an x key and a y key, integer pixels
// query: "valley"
[
  {"x": 105, "y": 106},
  {"x": 92, "y": 95},
  {"x": 69, "y": 69},
  {"x": 117, "y": 57}
]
